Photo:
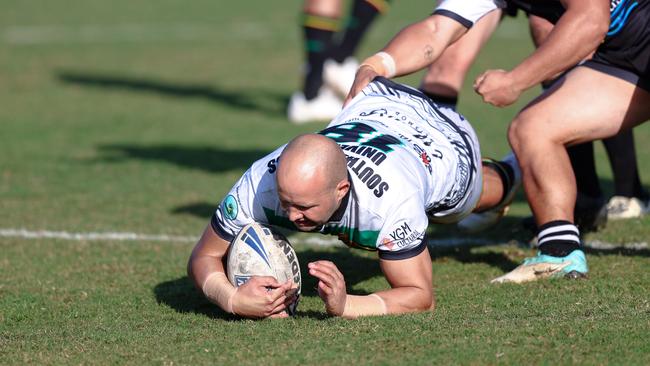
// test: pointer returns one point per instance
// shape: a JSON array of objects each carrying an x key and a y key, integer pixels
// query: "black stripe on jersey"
[
  {"x": 449, "y": 14},
  {"x": 403, "y": 254},
  {"x": 218, "y": 229},
  {"x": 467, "y": 144}
]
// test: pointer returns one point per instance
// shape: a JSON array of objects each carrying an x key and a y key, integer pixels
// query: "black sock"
[
  {"x": 622, "y": 157},
  {"x": 558, "y": 238},
  {"x": 318, "y": 37},
  {"x": 441, "y": 100},
  {"x": 584, "y": 168},
  {"x": 362, "y": 15}
]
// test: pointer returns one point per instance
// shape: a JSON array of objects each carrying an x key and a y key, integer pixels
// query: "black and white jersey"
[{"x": 408, "y": 161}]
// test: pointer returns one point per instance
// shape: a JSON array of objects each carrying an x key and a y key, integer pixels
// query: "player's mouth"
[{"x": 304, "y": 224}]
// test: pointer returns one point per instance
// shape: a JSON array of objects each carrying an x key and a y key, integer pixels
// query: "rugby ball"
[{"x": 261, "y": 251}]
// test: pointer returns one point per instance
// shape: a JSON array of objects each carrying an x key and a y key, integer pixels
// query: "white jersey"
[
  {"x": 467, "y": 12},
  {"x": 408, "y": 161}
]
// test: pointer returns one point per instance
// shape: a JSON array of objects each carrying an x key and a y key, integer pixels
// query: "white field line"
[
  {"x": 133, "y": 33},
  {"x": 314, "y": 240},
  {"x": 46, "y": 234}
]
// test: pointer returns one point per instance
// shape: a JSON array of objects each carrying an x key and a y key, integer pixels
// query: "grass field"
[{"x": 137, "y": 116}]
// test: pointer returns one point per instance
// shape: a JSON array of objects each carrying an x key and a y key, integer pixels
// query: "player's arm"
[
  {"x": 412, "y": 49},
  {"x": 259, "y": 297},
  {"x": 577, "y": 33},
  {"x": 410, "y": 281}
]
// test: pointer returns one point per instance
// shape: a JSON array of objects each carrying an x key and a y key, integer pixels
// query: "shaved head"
[
  {"x": 313, "y": 159},
  {"x": 312, "y": 172}
]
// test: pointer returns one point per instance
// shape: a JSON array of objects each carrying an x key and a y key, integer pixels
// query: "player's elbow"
[
  {"x": 594, "y": 25},
  {"x": 190, "y": 272},
  {"x": 423, "y": 301},
  {"x": 598, "y": 30},
  {"x": 430, "y": 304}
]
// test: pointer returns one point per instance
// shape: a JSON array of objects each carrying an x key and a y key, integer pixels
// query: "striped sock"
[
  {"x": 558, "y": 238},
  {"x": 362, "y": 15},
  {"x": 319, "y": 31}
]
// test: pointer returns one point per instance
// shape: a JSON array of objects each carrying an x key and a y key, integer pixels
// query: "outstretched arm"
[
  {"x": 411, "y": 288},
  {"x": 260, "y": 297},
  {"x": 412, "y": 49},
  {"x": 578, "y": 33}
]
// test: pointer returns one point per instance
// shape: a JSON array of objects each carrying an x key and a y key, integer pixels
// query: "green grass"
[{"x": 107, "y": 127}]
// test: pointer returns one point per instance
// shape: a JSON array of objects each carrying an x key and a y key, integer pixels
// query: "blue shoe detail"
[{"x": 576, "y": 268}]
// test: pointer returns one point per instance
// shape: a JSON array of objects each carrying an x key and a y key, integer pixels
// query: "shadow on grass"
[
  {"x": 199, "y": 209},
  {"x": 271, "y": 103},
  {"x": 205, "y": 158},
  {"x": 627, "y": 252},
  {"x": 466, "y": 255},
  {"x": 181, "y": 295}
]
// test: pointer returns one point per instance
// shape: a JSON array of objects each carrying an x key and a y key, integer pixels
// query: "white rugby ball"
[{"x": 261, "y": 251}]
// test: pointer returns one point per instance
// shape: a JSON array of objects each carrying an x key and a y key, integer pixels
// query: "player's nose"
[{"x": 294, "y": 214}]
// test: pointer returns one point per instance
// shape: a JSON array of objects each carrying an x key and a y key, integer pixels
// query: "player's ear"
[{"x": 342, "y": 189}]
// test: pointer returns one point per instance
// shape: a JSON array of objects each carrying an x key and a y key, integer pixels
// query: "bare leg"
[
  {"x": 492, "y": 190},
  {"x": 445, "y": 77},
  {"x": 587, "y": 105}
]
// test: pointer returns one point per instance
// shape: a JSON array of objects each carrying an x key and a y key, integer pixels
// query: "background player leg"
[
  {"x": 316, "y": 102},
  {"x": 340, "y": 68},
  {"x": 445, "y": 77},
  {"x": 630, "y": 199}
]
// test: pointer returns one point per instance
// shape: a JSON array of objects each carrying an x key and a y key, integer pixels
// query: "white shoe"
[
  {"x": 481, "y": 221},
  {"x": 340, "y": 76},
  {"x": 620, "y": 208},
  {"x": 324, "y": 107}
]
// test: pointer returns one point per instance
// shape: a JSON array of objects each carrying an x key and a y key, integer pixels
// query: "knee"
[{"x": 525, "y": 131}]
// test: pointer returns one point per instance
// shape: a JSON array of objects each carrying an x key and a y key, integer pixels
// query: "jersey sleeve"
[
  {"x": 245, "y": 201},
  {"x": 467, "y": 12},
  {"x": 236, "y": 209},
  {"x": 403, "y": 235}
]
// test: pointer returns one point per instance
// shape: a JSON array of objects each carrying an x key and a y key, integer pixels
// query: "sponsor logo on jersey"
[
  {"x": 272, "y": 165},
  {"x": 230, "y": 207},
  {"x": 367, "y": 175},
  {"x": 358, "y": 132},
  {"x": 388, "y": 243},
  {"x": 402, "y": 236}
]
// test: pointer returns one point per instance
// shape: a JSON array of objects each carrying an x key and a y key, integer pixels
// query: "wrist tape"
[
  {"x": 356, "y": 306},
  {"x": 383, "y": 64},
  {"x": 219, "y": 290}
]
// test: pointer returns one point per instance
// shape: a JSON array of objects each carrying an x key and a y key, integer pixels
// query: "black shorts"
[
  {"x": 627, "y": 44},
  {"x": 618, "y": 72},
  {"x": 550, "y": 10}
]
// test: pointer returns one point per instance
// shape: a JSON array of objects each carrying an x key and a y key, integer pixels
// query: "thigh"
[{"x": 586, "y": 105}]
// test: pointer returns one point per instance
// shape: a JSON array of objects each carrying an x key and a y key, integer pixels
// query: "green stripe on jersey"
[{"x": 364, "y": 239}]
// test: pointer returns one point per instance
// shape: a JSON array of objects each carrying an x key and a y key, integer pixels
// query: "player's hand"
[
  {"x": 261, "y": 297},
  {"x": 291, "y": 296},
  {"x": 331, "y": 286},
  {"x": 497, "y": 87},
  {"x": 363, "y": 77}
]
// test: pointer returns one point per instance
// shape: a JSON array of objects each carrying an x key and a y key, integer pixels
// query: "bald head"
[
  {"x": 311, "y": 180},
  {"x": 313, "y": 160}
]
